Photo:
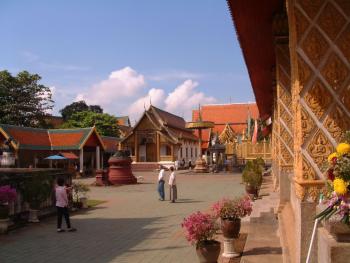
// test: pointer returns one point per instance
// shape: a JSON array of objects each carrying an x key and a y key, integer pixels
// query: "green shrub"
[
  {"x": 252, "y": 174},
  {"x": 37, "y": 189}
]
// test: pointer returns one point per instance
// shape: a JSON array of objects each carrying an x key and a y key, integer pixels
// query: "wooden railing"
[{"x": 247, "y": 150}]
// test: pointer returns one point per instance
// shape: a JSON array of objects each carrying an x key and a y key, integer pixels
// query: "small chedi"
[{"x": 120, "y": 169}]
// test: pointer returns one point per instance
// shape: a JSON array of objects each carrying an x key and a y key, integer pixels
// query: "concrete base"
[
  {"x": 331, "y": 251},
  {"x": 229, "y": 249},
  {"x": 201, "y": 166}
]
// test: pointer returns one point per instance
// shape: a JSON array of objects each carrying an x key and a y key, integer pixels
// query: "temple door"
[{"x": 151, "y": 152}]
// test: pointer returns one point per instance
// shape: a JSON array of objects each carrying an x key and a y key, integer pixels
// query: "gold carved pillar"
[
  {"x": 136, "y": 139},
  {"x": 319, "y": 44},
  {"x": 283, "y": 116},
  {"x": 320, "y": 54},
  {"x": 158, "y": 146}
]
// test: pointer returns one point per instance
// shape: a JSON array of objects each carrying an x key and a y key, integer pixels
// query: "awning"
[
  {"x": 55, "y": 157},
  {"x": 68, "y": 155}
]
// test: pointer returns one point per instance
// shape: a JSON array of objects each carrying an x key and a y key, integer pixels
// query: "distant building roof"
[
  {"x": 111, "y": 143},
  {"x": 50, "y": 139},
  {"x": 124, "y": 121},
  {"x": 233, "y": 114},
  {"x": 171, "y": 126}
]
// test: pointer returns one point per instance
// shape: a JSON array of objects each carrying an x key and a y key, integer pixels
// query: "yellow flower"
[
  {"x": 340, "y": 187},
  {"x": 343, "y": 148},
  {"x": 331, "y": 156}
]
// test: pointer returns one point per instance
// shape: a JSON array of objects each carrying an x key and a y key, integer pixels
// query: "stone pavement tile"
[{"x": 132, "y": 226}]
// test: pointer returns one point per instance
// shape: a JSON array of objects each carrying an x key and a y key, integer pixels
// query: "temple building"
[
  {"x": 124, "y": 125},
  {"x": 83, "y": 147},
  {"x": 297, "y": 54},
  {"x": 229, "y": 120},
  {"x": 160, "y": 137}
]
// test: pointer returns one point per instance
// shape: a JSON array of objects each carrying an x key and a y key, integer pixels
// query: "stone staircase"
[
  {"x": 263, "y": 243},
  {"x": 144, "y": 166}
]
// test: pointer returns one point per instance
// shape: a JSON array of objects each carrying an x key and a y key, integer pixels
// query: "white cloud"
[
  {"x": 185, "y": 98},
  {"x": 121, "y": 84},
  {"x": 154, "y": 96},
  {"x": 181, "y": 101}
]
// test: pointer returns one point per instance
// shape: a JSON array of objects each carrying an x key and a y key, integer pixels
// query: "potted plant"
[
  {"x": 79, "y": 195},
  {"x": 252, "y": 177},
  {"x": 230, "y": 211},
  {"x": 200, "y": 229},
  {"x": 36, "y": 190},
  {"x": 7, "y": 195},
  {"x": 337, "y": 213}
]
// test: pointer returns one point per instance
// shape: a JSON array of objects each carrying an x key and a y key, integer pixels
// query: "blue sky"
[{"x": 120, "y": 53}]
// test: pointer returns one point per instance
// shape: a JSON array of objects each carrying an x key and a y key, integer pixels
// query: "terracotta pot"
[
  {"x": 83, "y": 201},
  {"x": 251, "y": 190},
  {"x": 33, "y": 216},
  {"x": 231, "y": 227},
  {"x": 208, "y": 252},
  {"x": 4, "y": 223},
  {"x": 4, "y": 211},
  {"x": 120, "y": 171}
]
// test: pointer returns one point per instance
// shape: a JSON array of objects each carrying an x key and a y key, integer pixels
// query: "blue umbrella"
[{"x": 55, "y": 157}]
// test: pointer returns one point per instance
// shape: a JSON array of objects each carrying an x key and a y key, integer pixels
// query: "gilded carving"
[
  {"x": 299, "y": 191},
  {"x": 307, "y": 124},
  {"x": 346, "y": 98},
  {"x": 301, "y": 24},
  {"x": 283, "y": 58},
  {"x": 311, "y": 7},
  {"x": 344, "y": 42},
  {"x": 287, "y": 139},
  {"x": 283, "y": 78},
  {"x": 315, "y": 46},
  {"x": 318, "y": 99},
  {"x": 308, "y": 171},
  {"x": 285, "y": 97},
  {"x": 287, "y": 119},
  {"x": 331, "y": 21},
  {"x": 344, "y": 5},
  {"x": 304, "y": 72},
  {"x": 286, "y": 156},
  {"x": 337, "y": 123},
  {"x": 335, "y": 72},
  {"x": 319, "y": 148}
]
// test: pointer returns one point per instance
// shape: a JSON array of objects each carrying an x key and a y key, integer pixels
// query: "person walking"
[
  {"x": 62, "y": 206},
  {"x": 161, "y": 183},
  {"x": 172, "y": 186}
]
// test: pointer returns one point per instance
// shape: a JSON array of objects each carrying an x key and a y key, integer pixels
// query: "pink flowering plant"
[
  {"x": 7, "y": 194},
  {"x": 199, "y": 228},
  {"x": 232, "y": 208}
]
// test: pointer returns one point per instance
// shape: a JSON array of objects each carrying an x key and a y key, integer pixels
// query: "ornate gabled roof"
[
  {"x": 228, "y": 135},
  {"x": 124, "y": 121},
  {"x": 49, "y": 139},
  {"x": 169, "y": 125}
]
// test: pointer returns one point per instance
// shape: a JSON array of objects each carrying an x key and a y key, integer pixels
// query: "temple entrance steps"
[
  {"x": 144, "y": 166},
  {"x": 263, "y": 242}
]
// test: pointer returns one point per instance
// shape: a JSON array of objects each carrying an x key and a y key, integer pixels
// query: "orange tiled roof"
[
  {"x": 111, "y": 143},
  {"x": 47, "y": 139},
  {"x": 235, "y": 114}
]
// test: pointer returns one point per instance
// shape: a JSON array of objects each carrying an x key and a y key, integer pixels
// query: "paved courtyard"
[{"x": 132, "y": 226}]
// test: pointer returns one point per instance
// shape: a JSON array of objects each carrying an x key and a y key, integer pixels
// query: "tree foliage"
[
  {"x": 23, "y": 101},
  {"x": 105, "y": 124},
  {"x": 78, "y": 106}
]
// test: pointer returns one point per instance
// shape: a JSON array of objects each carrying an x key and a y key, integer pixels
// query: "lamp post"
[{"x": 201, "y": 165}]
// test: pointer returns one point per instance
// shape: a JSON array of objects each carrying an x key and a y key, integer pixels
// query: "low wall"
[{"x": 15, "y": 177}]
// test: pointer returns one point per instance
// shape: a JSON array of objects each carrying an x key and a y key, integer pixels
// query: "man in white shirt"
[
  {"x": 172, "y": 185},
  {"x": 161, "y": 183}
]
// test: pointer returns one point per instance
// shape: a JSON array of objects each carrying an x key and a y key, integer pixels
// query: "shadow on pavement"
[{"x": 97, "y": 240}]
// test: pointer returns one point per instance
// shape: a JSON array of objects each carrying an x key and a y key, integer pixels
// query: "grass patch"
[{"x": 93, "y": 203}]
